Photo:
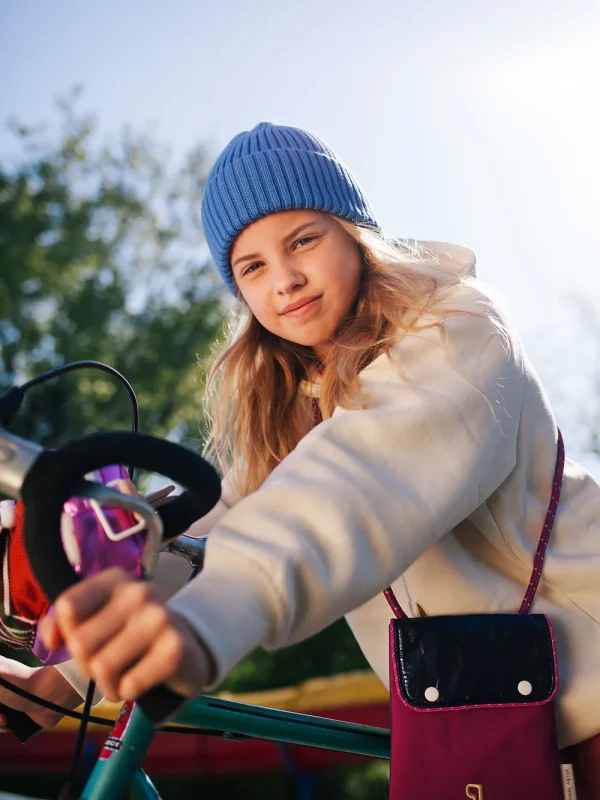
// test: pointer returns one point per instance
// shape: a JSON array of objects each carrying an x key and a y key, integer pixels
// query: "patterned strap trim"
[
  {"x": 394, "y": 604},
  {"x": 538, "y": 561},
  {"x": 15, "y": 631}
]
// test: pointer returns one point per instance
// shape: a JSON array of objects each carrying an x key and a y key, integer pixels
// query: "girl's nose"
[{"x": 286, "y": 278}]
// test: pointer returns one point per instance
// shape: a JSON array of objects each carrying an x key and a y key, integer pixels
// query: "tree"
[{"x": 102, "y": 257}]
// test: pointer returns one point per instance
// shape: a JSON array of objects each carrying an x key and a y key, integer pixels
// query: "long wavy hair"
[{"x": 257, "y": 401}]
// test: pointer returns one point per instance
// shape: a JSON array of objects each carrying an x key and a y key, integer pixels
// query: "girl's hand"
[
  {"x": 45, "y": 682},
  {"x": 124, "y": 638}
]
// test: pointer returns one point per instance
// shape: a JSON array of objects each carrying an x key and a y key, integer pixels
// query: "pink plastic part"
[{"x": 93, "y": 549}]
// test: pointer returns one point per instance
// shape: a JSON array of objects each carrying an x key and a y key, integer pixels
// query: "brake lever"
[{"x": 98, "y": 494}]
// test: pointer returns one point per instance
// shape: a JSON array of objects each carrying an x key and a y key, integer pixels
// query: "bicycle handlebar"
[{"x": 53, "y": 478}]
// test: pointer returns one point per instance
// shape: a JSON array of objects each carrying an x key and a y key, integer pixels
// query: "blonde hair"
[{"x": 257, "y": 410}]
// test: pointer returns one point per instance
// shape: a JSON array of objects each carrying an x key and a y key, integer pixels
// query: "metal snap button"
[{"x": 432, "y": 694}]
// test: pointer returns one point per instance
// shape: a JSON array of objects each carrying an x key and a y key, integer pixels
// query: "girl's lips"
[{"x": 305, "y": 309}]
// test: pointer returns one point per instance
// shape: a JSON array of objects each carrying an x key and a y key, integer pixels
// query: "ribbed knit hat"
[{"x": 274, "y": 168}]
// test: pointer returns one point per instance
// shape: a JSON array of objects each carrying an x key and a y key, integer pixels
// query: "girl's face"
[{"x": 299, "y": 273}]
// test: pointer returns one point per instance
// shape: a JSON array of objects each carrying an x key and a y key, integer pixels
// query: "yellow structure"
[{"x": 349, "y": 689}]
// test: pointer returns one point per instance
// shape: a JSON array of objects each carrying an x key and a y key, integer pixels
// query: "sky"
[{"x": 464, "y": 121}]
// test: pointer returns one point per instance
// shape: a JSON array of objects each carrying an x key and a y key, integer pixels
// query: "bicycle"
[{"x": 44, "y": 480}]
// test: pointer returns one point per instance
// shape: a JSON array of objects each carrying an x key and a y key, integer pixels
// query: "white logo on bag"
[{"x": 568, "y": 782}]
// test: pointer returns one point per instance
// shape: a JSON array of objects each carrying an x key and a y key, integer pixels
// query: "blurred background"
[{"x": 464, "y": 122}]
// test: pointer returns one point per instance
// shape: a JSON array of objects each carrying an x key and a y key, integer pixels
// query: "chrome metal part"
[
  {"x": 188, "y": 547},
  {"x": 17, "y": 456}
]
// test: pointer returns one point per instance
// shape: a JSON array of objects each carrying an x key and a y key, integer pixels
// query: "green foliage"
[
  {"x": 102, "y": 258},
  {"x": 331, "y": 651}
]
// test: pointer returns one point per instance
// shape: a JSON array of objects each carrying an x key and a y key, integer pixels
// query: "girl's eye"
[
  {"x": 305, "y": 240},
  {"x": 251, "y": 268}
]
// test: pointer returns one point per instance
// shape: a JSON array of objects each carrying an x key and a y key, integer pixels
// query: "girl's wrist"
[
  {"x": 48, "y": 683},
  {"x": 198, "y": 668}
]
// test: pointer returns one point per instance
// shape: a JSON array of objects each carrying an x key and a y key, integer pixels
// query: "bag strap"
[{"x": 538, "y": 561}]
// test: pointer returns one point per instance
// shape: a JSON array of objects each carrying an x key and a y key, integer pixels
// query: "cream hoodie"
[{"x": 439, "y": 487}]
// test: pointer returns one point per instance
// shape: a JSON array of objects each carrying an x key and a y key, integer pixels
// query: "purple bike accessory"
[
  {"x": 96, "y": 538},
  {"x": 472, "y": 698}
]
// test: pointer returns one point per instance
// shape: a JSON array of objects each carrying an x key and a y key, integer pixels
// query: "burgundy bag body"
[
  {"x": 490, "y": 733},
  {"x": 472, "y": 699}
]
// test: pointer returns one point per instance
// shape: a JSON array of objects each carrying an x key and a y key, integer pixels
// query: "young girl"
[{"x": 379, "y": 424}]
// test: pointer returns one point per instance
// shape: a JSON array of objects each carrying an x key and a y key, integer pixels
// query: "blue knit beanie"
[{"x": 274, "y": 168}]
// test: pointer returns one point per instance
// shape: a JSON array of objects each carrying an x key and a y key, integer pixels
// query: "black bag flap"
[{"x": 476, "y": 659}]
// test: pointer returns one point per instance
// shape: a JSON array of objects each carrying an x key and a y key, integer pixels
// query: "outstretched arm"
[
  {"x": 44, "y": 682},
  {"x": 367, "y": 492}
]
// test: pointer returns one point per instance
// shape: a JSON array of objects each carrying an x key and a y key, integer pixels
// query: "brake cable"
[
  {"x": 11, "y": 401},
  {"x": 106, "y": 721}
]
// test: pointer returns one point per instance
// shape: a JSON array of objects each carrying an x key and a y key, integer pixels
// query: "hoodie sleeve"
[
  {"x": 73, "y": 675},
  {"x": 366, "y": 492},
  {"x": 229, "y": 497}
]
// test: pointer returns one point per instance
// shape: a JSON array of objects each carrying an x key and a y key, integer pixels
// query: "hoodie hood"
[{"x": 455, "y": 257}]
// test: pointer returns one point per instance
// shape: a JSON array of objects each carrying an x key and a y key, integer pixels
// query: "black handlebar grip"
[
  {"x": 54, "y": 478},
  {"x": 160, "y": 704},
  {"x": 17, "y": 722}
]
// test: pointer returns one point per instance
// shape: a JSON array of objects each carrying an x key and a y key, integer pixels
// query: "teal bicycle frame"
[{"x": 122, "y": 773}]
